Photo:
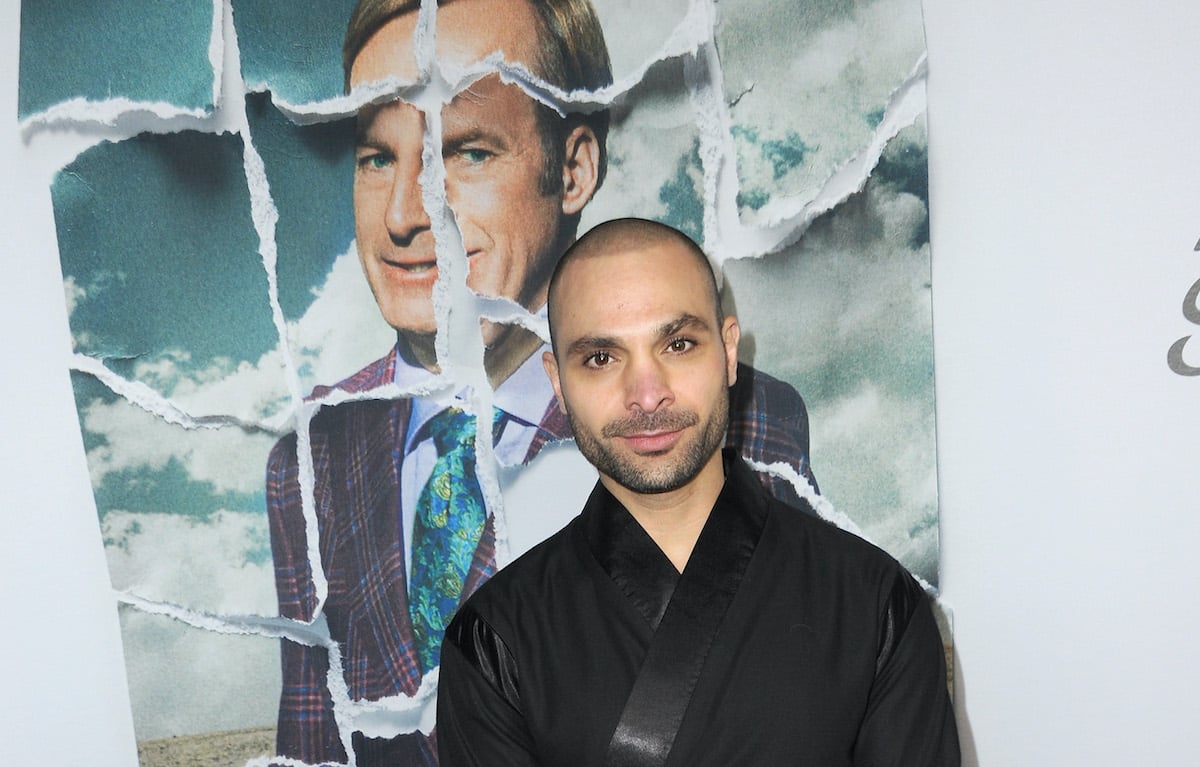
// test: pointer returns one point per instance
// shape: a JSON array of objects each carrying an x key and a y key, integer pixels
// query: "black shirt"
[{"x": 828, "y": 654}]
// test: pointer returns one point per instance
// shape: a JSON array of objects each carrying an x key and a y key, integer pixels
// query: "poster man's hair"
[{"x": 572, "y": 55}]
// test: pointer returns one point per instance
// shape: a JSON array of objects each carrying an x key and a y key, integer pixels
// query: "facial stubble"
[{"x": 691, "y": 456}]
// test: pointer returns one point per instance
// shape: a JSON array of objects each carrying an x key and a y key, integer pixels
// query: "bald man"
[{"x": 686, "y": 617}]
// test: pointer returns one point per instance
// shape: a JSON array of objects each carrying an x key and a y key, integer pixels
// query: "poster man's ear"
[{"x": 581, "y": 169}]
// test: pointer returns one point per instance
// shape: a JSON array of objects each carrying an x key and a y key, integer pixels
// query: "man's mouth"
[
  {"x": 640, "y": 424},
  {"x": 420, "y": 267},
  {"x": 652, "y": 442},
  {"x": 412, "y": 267},
  {"x": 650, "y": 433}
]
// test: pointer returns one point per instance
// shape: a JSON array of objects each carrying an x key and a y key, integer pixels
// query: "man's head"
[
  {"x": 643, "y": 357},
  {"x": 517, "y": 174}
]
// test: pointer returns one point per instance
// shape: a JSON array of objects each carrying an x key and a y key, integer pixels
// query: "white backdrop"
[
  {"x": 1065, "y": 183},
  {"x": 1065, "y": 175}
]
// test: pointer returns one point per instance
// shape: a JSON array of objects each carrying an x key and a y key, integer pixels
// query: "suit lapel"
[
  {"x": 372, "y": 540},
  {"x": 380, "y": 657},
  {"x": 554, "y": 427}
]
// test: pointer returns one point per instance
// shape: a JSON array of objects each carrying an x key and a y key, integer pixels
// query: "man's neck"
[{"x": 674, "y": 519}]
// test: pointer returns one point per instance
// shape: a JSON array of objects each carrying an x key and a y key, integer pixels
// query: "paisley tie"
[{"x": 450, "y": 517}]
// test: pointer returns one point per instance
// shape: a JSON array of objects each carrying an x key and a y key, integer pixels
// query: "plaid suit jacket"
[
  {"x": 768, "y": 422},
  {"x": 357, "y": 454},
  {"x": 357, "y": 451}
]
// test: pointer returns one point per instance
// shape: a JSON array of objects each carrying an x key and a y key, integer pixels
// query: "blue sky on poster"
[
  {"x": 292, "y": 49},
  {"x": 136, "y": 220},
  {"x": 117, "y": 49},
  {"x": 185, "y": 312}
]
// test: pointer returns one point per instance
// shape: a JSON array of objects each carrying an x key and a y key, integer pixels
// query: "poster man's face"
[
  {"x": 494, "y": 163},
  {"x": 642, "y": 365}
]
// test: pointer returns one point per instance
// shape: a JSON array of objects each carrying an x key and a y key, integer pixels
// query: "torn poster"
[{"x": 258, "y": 387}]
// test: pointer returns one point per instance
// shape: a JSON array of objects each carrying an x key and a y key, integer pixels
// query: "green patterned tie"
[{"x": 450, "y": 517}]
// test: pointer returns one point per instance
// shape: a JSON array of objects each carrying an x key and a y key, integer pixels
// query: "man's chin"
[
  {"x": 418, "y": 332},
  {"x": 409, "y": 313},
  {"x": 652, "y": 484},
  {"x": 506, "y": 347},
  {"x": 647, "y": 474}
]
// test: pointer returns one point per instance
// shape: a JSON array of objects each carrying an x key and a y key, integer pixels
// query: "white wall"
[
  {"x": 1065, "y": 141},
  {"x": 64, "y": 699}
]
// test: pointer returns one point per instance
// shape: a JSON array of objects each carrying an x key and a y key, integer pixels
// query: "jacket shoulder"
[
  {"x": 837, "y": 550},
  {"x": 378, "y": 373},
  {"x": 759, "y": 392}
]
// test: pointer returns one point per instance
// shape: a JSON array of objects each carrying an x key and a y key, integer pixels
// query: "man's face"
[
  {"x": 493, "y": 158},
  {"x": 642, "y": 366}
]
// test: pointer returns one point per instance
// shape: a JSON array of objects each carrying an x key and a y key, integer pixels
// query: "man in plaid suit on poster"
[{"x": 389, "y": 493}]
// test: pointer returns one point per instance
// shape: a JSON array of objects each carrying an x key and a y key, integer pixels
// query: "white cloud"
[
  {"x": 845, "y": 316},
  {"x": 852, "y": 280},
  {"x": 645, "y": 147},
  {"x": 342, "y": 331},
  {"x": 75, "y": 293},
  {"x": 232, "y": 459},
  {"x": 184, "y": 680},
  {"x": 339, "y": 333},
  {"x": 830, "y": 74},
  {"x": 634, "y": 30},
  {"x": 208, "y": 565},
  {"x": 874, "y": 457},
  {"x": 224, "y": 387}
]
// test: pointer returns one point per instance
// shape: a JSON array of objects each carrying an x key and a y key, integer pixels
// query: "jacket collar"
[{"x": 641, "y": 570}]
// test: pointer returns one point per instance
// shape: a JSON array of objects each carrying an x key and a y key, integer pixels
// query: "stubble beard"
[{"x": 671, "y": 475}]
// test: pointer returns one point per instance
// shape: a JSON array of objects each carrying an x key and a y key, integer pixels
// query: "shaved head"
[
  {"x": 626, "y": 235},
  {"x": 642, "y": 359}
]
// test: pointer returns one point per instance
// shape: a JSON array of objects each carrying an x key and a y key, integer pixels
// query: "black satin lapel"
[
  {"x": 675, "y": 660},
  {"x": 630, "y": 557}
]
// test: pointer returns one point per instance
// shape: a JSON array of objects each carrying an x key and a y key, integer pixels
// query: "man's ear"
[
  {"x": 550, "y": 364},
  {"x": 581, "y": 169},
  {"x": 731, "y": 333}
]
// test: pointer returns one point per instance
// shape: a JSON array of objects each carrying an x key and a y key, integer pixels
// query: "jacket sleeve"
[
  {"x": 306, "y": 727},
  {"x": 479, "y": 706},
  {"x": 909, "y": 720}
]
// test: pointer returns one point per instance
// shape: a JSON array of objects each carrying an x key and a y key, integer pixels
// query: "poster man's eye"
[{"x": 474, "y": 155}]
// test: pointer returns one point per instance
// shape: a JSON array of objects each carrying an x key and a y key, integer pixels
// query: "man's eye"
[
  {"x": 680, "y": 344},
  {"x": 597, "y": 359},
  {"x": 373, "y": 161},
  {"x": 474, "y": 155}
]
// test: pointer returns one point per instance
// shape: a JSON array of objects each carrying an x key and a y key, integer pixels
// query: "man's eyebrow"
[
  {"x": 364, "y": 134},
  {"x": 364, "y": 122},
  {"x": 681, "y": 322},
  {"x": 459, "y": 132},
  {"x": 363, "y": 140},
  {"x": 453, "y": 141},
  {"x": 590, "y": 343},
  {"x": 667, "y": 329}
]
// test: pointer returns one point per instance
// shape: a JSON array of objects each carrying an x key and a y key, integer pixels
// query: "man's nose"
[
  {"x": 405, "y": 216},
  {"x": 647, "y": 384}
]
